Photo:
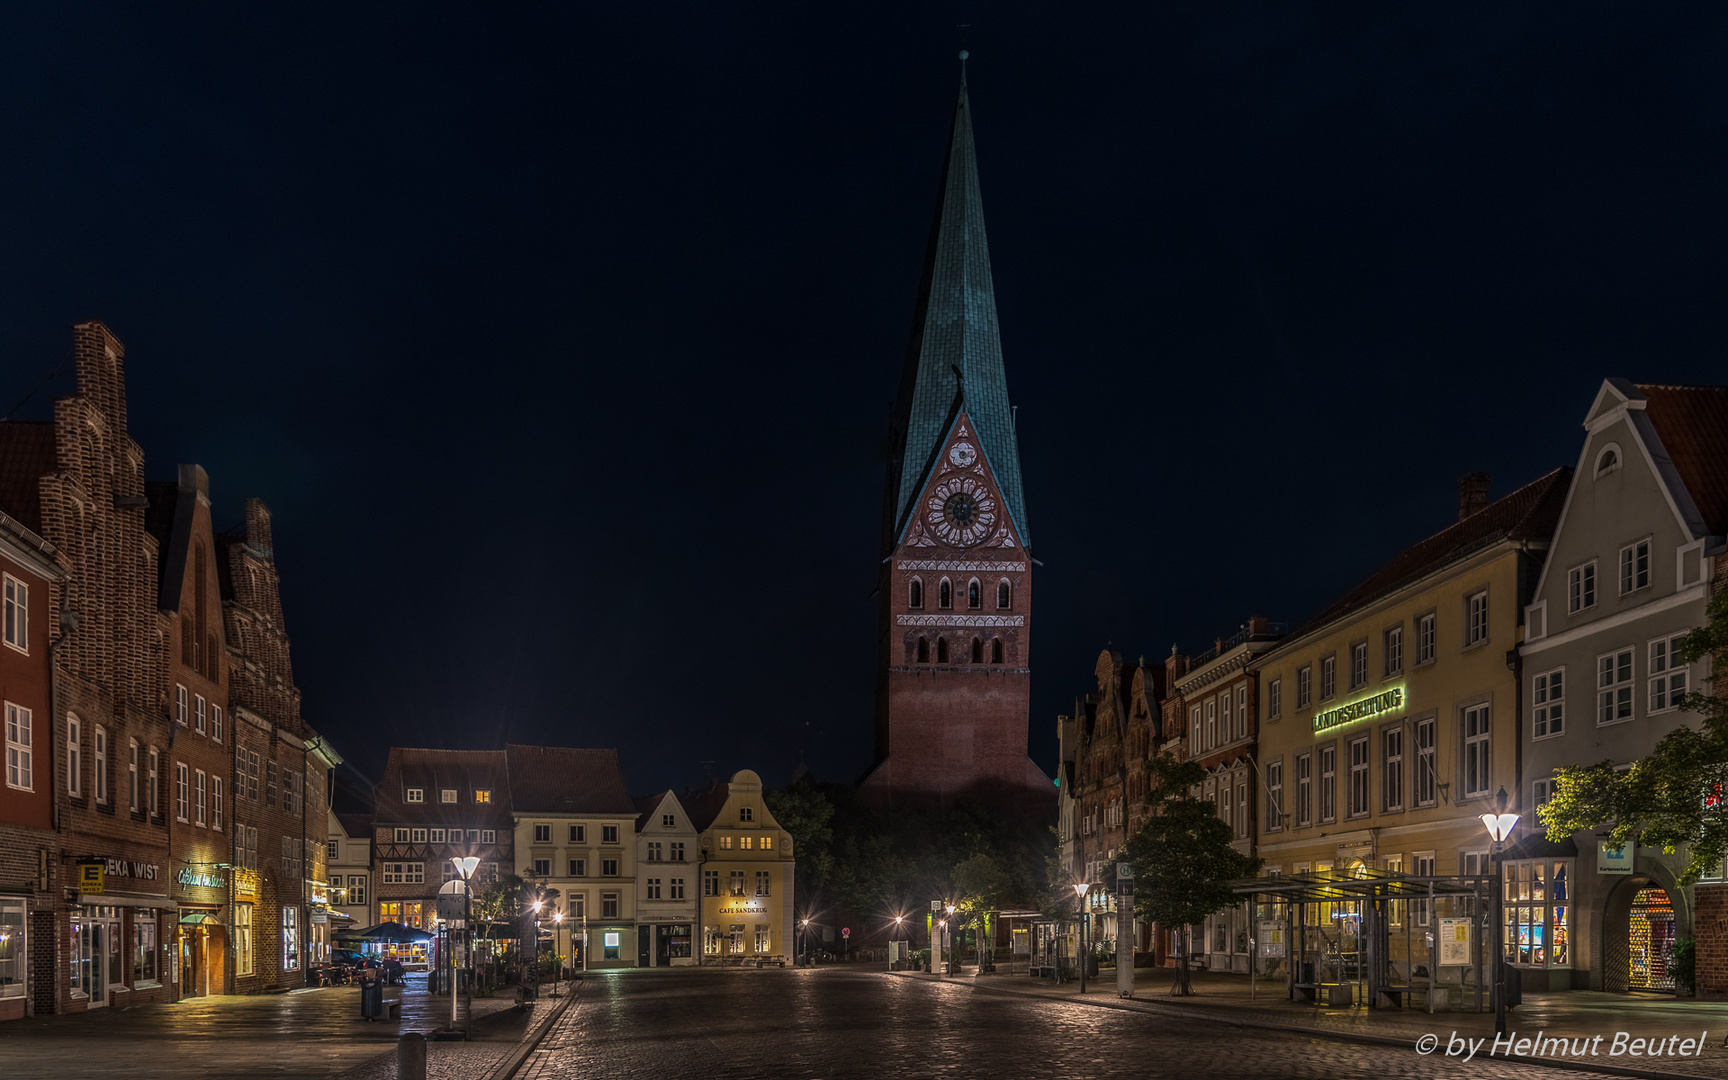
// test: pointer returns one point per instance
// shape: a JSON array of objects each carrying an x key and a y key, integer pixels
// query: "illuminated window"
[
  {"x": 242, "y": 939},
  {"x": 737, "y": 883},
  {"x": 767, "y": 843},
  {"x": 746, "y": 842},
  {"x": 1538, "y": 913},
  {"x": 482, "y": 795}
]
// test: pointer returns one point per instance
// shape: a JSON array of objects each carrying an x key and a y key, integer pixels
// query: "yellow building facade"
[
  {"x": 747, "y": 875},
  {"x": 1390, "y": 723}
]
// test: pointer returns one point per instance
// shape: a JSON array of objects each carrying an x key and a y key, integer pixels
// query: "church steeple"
[{"x": 953, "y": 328}]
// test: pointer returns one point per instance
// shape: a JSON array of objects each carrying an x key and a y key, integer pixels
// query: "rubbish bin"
[{"x": 371, "y": 998}]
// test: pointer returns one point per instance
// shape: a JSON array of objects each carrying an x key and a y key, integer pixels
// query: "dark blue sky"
[{"x": 560, "y": 339}]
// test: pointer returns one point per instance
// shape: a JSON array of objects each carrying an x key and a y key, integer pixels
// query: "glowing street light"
[
  {"x": 1081, "y": 887},
  {"x": 465, "y": 865},
  {"x": 1499, "y": 827}
]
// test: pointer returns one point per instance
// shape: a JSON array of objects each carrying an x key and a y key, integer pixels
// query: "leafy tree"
[
  {"x": 1674, "y": 796},
  {"x": 807, "y": 812},
  {"x": 1183, "y": 860},
  {"x": 981, "y": 887}
]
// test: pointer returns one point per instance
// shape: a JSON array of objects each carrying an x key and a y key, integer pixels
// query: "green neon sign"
[{"x": 1361, "y": 709}]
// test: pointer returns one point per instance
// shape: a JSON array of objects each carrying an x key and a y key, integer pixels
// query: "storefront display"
[{"x": 1652, "y": 940}]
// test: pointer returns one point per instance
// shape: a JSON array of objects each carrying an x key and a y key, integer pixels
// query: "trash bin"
[{"x": 371, "y": 998}]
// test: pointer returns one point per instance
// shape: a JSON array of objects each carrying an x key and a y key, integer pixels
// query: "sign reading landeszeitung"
[{"x": 1360, "y": 709}]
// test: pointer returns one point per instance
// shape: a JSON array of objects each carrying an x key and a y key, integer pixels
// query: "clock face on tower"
[{"x": 961, "y": 511}]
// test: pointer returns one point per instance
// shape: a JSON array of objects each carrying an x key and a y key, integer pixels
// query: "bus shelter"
[{"x": 1384, "y": 939}]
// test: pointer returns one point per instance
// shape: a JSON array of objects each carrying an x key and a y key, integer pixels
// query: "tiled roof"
[
  {"x": 954, "y": 326},
  {"x": 356, "y": 825},
  {"x": 704, "y": 804},
  {"x": 1530, "y": 513},
  {"x": 1693, "y": 424},
  {"x": 646, "y": 807},
  {"x": 567, "y": 780},
  {"x": 26, "y": 455},
  {"x": 432, "y": 771}
]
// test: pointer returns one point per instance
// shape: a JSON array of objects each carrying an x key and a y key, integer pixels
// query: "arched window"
[
  {"x": 946, "y": 598},
  {"x": 977, "y": 651},
  {"x": 995, "y": 650},
  {"x": 923, "y": 650},
  {"x": 1608, "y": 460},
  {"x": 974, "y": 594},
  {"x": 1002, "y": 594},
  {"x": 915, "y": 593},
  {"x": 941, "y": 650}
]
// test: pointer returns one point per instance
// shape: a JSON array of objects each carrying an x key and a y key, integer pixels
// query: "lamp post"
[
  {"x": 1081, "y": 887},
  {"x": 534, "y": 956},
  {"x": 899, "y": 924},
  {"x": 804, "y": 940},
  {"x": 557, "y": 925},
  {"x": 1499, "y": 827},
  {"x": 948, "y": 936},
  {"x": 465, "y": 866}
]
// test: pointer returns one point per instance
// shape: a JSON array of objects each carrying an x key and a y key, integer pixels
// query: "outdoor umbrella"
[{"x": 392, "y": 933}]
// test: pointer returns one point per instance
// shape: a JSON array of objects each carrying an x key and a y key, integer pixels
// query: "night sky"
[{"x": 560, "y": 339}]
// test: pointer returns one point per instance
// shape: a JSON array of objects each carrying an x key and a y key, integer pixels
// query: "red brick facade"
[{"x": 956, "y": 623}]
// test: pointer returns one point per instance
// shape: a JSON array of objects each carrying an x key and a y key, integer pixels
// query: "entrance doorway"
[
  {"x": 97, "y": 965},
  {"x": 1651, "y": 937},
  {"x": 644, "y": 946}
]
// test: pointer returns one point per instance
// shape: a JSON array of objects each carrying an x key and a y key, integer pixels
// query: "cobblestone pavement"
[
  {"x": 837, "y": 1024},
  {"x": 300, "y": 1035}
]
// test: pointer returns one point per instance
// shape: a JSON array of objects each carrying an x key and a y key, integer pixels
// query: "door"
[{"x": 644, "y": 946}]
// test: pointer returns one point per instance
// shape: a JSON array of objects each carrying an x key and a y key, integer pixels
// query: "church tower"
[{"x": 955, "y": 589}]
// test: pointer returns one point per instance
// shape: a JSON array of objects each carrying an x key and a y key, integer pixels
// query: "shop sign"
[
  {"x": 246, "y": 885},
  {"x": 744, "y": 909},
  {"x": 128, "y": 868},
  {"x": 197, "y": 879},
  {"x": 1454, "y": 939},
  {"x": 1360, "y": 709},
  {"x": 1614, "y": 860},
  {"x": 90, "y": 877}
]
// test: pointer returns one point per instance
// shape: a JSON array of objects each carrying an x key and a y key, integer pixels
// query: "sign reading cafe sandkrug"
[{"x": 1361, "y": 709}]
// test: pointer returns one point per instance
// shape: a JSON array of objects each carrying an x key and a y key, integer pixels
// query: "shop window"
[
  {"x": 290, "y": 939},
  {"x": 13, "y": 957},
  {"x": 143, "y": 948},
  {"x": 1538, "y": 912}
]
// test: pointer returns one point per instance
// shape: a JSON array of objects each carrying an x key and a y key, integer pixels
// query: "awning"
[
  {"x": 119, "y": 899},
  {"x": 196, "y": 918}
]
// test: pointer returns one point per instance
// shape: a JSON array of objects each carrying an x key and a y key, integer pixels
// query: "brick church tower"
[{"x": 954, "y": 685}]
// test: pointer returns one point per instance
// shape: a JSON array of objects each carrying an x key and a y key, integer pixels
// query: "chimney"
[{"x": 1472, "y": 493}]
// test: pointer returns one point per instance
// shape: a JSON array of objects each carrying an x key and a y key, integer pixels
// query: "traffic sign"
[{"x": 845, "y": 931}]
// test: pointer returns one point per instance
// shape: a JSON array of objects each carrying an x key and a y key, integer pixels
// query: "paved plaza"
[{"x": 837, "y": 1023}]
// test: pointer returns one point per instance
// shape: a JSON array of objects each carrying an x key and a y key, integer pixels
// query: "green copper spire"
[{"x": 954, "y": 328}]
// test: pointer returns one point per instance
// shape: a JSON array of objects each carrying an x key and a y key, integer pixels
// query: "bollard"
[{"x": 411, "y": 1057}]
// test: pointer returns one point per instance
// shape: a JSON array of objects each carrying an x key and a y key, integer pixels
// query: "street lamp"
[
  {"x": 557, "y": 925},
  {"x": 899, "y": 925},
  {"x": 804, "y": 940},
  {"x": 1081, "y": 887},
  {"x": 1499, "y": 827},
  {"x": 465, "y": 866}
]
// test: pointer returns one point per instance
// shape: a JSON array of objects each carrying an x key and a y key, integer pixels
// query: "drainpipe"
[
  {"x": 68, "y": 627},
  {"x": 1515, "y": 664}
]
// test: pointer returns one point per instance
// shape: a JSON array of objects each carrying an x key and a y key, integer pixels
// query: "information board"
[
  {"x": 1271, "y": 938},
  {"x": 1453, "y": 937}
]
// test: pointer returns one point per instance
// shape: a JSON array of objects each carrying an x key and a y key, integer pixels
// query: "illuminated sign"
[
  {"x": 246, "y": 885},
  {"x": 90, "y": 876},
  {"x": 1361, "y": 709},
  {"x": 202, "y": 880},
  {"x": 612, "y": 939}
]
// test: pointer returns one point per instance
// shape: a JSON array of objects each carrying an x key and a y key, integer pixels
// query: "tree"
[
  {"x": 1183, "y": 860},
  {"x": 1674, "y": 796},
  {"x": 806, "y": 811},
  {"x": 982, "y": 886}
]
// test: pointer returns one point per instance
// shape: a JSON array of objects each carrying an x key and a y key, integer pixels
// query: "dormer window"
[
  {"x": 447, "y": 795},
  {"x": 415, "y": 795},
  {"x": 1608, "y": 460},
  {"x": 482, "y": 795}
]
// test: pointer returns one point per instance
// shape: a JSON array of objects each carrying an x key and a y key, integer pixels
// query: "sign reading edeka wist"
[{"x": 1360, "y": 709}]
